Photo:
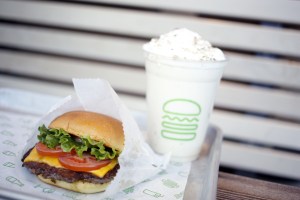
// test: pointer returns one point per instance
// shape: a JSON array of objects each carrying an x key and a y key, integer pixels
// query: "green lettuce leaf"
[{"x": 56, "y": 137}]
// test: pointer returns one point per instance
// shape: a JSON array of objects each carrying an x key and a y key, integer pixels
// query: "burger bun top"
[{"x": 97, "y": 126}]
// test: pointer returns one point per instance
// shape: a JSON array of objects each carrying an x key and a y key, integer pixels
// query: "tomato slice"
[
  {"x": 43, "y": 150},
  {"x": 84, "y": 164}
]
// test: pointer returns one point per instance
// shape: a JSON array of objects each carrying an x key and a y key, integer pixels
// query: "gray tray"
[{"x": 202, "y": 180}]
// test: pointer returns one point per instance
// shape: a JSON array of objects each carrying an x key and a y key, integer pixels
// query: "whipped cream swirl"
[{"x": 184, "y": 44}]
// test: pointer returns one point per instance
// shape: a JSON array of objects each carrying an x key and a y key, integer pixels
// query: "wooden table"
[{"x": 237, "y": 187}]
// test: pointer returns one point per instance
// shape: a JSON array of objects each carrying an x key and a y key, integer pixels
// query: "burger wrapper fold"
[{"x": 137, "y": 161}]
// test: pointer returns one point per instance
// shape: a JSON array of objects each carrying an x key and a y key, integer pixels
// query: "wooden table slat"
[{"x": 239, "y": 187}]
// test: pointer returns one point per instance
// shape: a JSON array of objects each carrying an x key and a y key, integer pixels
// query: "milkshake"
[{"x": 183, "y": 73}]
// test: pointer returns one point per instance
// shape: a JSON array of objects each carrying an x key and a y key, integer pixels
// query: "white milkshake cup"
[{"x": 180, "y": 98}]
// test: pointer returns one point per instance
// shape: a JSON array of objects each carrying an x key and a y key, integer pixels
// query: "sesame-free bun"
[
  {"x": 97, "y": 126},
  {"x": 79, "y": 186}
]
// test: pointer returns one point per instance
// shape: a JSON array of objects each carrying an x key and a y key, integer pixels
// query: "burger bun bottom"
[{"x": 79, "y": 186}]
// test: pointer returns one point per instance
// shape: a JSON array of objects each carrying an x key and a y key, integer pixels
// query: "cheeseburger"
[{"x": 78, "y": 151}]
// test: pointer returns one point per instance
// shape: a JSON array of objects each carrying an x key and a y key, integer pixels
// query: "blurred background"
[{"x": 44, "y": 44}]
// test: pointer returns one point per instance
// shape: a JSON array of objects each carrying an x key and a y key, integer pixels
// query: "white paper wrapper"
[{"x": 137, "y": 161}]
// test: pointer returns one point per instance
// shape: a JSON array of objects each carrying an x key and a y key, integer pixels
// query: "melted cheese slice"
[{"x": 54, "y": 162}]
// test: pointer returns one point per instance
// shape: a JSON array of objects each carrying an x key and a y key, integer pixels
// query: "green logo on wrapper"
[
  {"x": 152, "y": 193},
  {"x": 10, "y": 143},
  {"x": 179, "y": 195},
  {"x": 45, "y": 189},
  {"x": 8, "y": 153},
  {"x": 9, "y": 164},
  {"x": 170, "y": 183},
  {"x": 14, "y": 181},
  {"x": 72, "y": 195},
  {"x": 129, "y": 190},
  {"x": 180, "y": 119},
  {"x": 6, "y": 133}
]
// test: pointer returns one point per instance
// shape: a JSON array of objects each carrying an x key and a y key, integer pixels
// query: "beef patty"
[{"x": 67, "y": 175}]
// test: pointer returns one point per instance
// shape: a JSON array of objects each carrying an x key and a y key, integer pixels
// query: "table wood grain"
[{"x": 231, "y": 187}]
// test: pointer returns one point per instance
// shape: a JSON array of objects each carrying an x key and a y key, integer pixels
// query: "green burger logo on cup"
[{"x": 180, "y": 119}]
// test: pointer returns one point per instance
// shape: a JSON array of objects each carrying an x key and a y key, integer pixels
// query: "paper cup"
[{"x": 180, "y": 98}]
